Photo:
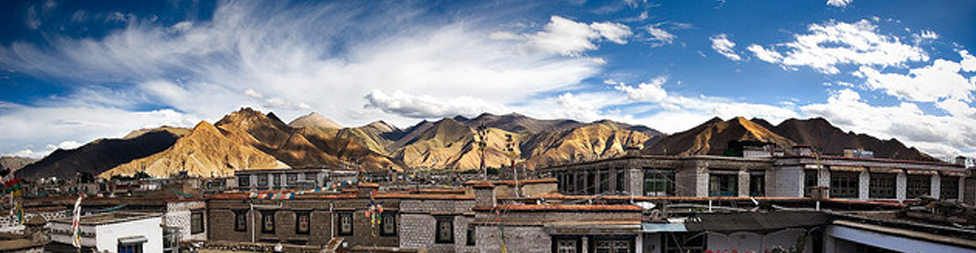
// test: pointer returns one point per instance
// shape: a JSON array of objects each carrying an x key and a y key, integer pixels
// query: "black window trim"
[
  {"x": 437, "y": 229},
  {"x": 298, "y": 218},
  {"x": 352, "y": 224}
]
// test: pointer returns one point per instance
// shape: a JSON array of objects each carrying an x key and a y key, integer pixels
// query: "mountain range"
[{"x": 249, "y": 139}]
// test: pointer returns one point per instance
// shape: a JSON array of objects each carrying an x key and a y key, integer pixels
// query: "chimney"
[
  {"x": 484, "y": 194},
  {"x": 961, "y": 160},
  {"x": 802, "y": 150}
]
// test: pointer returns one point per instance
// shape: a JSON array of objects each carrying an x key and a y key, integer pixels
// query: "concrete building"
[
  {"x": 121, "y": 232},
  {"x": 793, "y": 175},
  {"x": 289, "y": 179}
]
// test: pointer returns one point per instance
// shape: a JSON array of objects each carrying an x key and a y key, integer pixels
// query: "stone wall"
[
  {"x": 9, "y": 223},
  {"x": 178, "y": 215},
  {"x": 528, "y": 239}
]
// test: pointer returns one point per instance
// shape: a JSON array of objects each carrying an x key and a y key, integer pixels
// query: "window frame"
[
  {"x": 658, "y": 178},
  {"x": 265, "y": 215},
  {"x": 882, "y": 186},
  {"x": 943, "y": 186},
  {"x": 439, "y": 220},
  {"x": 352, "y": 224},
  {"x": 195, "y": 217},
  {"x": 845, "y": 184},
  {"x": 244, "y": 181},
  {"x": 385, "y": 219},
  {"x": 298, "y": 222},
  {"x": 136, "y": 247},
  {"x": 760, "y": 184},
  {"x": 470, "y": 236},
  {"x": 811, "y": 179},
  {"x": 240, "y": 220},
  {"x": 718, "y": 184},
  {"x": 917, "y": 185}
]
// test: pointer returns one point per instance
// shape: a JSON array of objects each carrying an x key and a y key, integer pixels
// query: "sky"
[{"x": 75, "y": 71}]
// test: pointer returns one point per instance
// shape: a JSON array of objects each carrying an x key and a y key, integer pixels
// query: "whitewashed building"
[{"x": 121, "y": 232}]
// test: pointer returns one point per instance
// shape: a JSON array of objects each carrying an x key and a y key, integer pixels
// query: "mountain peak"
[{"x": 314, "y": 119}]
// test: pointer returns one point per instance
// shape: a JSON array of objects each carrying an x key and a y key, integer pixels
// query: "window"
[
  {"x": 566, "y": 246},
  {"x": 612, "y": 246},
  {"x": 471, "y": 235},
  {"x": 244, "y": 181},
  {"x": 949, "y": 189},
  {"x": 810, "y": 180},
  {"x": 604, "y": 181},
  {"x": 445, "y": 229},
  {"x": 291, "y": 179},
  {"x": 240, "y": 220},
  {"x": 757, "y": 185},
  {"x": 585, "y": 185},
  {"x": 262, "y": 180},
  {"x": 267, "y": 222},
  {"x": 621, "y": 180},
  {"x": 882, "y": 186},
  {"x": 843, "y": 184},
  {"x": 345, "y": 224},
  {"x": 310, "y": 177},
  {"x": 658, "y": 183},
  {"x": 917, "y": 186},
  {"x": 723, "y": 185},
  {"x": 303, "y": 222},
  {"x": 196, "y": 222},
  {"x": 388, "y": 224},
  {"x": 276, "y": 180},
  {"x": 130, "y": 248}
]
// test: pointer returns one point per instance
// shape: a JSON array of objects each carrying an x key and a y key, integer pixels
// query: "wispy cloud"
[
  {"x": 724, "y": 46},
  {"x": 835, "y": 43},
  {"x": 839, "y": 3}
]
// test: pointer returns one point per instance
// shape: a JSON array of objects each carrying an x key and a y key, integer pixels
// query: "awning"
[
  {"x": 884, "y": 170},
  {"x": 755, "y": 221},
  {"x": 846, "y": 168},
  {"x": 648, "y": 227},
  {"x": 595, "y": 227},
  {"x": 921, "y": 172},
  {"x": 133, "y": 240},
  {"x": 955, "y": 173}
]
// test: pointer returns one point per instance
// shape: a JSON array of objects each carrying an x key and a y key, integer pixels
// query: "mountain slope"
[
  {"x": 819, "y": 133},
  {"x": 100, "y": 155},
  {"x": 518, "y": 123},
  {"x": 448, "y": 144},
  {"x": 376, "y": 136},
  {"x": 14, "y": 163},
  {"x": 598, "y": 140},
  {"x": 713, "y": 137},
  {"x": 350, "y": 150},
  {"x": 206, "y": 152},
  {"x": 314, "y": 119},
  {"x": 272, "y": 136}
]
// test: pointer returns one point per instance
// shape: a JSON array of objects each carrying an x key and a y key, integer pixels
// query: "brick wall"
[{"x": 517, "y": 239}]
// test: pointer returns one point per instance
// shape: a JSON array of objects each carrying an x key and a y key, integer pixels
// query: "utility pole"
[
  {"x": 482, "y": 145},
  {"x": 510, "y": 148}
]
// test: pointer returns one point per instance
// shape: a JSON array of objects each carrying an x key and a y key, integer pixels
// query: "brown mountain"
[
  {"x": 100, "y": 155},
  {"x": 272, "y": 136},
  {"x": 819, "y": 133},
  {"x": 518, "y": 123},
  {"x": 349, "y": 150},
  {"x": 713, "y": 138},
  {"x": 448, "y": 144},
  {"x": 598, "y": 140},
  {"x": 376, "y": 136},
  {"x": 314, "y": 119},
  {"x": 206, "y": 151},
  {"x": 14, "y": 163}
]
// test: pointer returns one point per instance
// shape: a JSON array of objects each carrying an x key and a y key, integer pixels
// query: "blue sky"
[{"x": 72, "y": 72}]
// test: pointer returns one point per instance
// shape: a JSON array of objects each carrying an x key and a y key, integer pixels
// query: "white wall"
[
  {"x": 107, "y": 235},
  {"x": 743, "y": 241}
]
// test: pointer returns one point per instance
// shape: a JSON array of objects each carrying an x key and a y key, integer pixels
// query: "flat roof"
[{"x": 110, "y": 218}]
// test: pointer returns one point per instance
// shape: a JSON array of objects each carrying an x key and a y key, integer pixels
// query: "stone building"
[
  {"x": 794, "y": 175},
  {"x": 289, "y": 179},
  {"x": 122, "y": 232}
]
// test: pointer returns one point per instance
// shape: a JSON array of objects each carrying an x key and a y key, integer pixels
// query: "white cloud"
[
  {"x": 836, "y": 43},
  {"x": 927, "y": 84},
  {"x": 659, "y": 37},
  {"x": 415, "y": 106},
  {"x": 645, "y": 92},
  {"x": 764, "y": 54},
  {"x": 936, "y": 135},
  {"x": 280, "y": 57},
  {"x": 567, "y": 37},
  {"x": 723, "y": 45},
  {"x": 839, "y": 3},
  {"x": 968, "y": 62}
]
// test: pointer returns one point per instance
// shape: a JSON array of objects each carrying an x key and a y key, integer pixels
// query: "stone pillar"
[
  {"x": 935, "y": 187},
  {"x": 585, "y": 241},
  {"x": 701, "y": 185},
  {"x": 635, "y": 179},
  {"x": 743, "y": 183},
  {"x": 823, "y": 177},
  {"x": 863, "y": 184},
  {"x": 901, "y": 182}
]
